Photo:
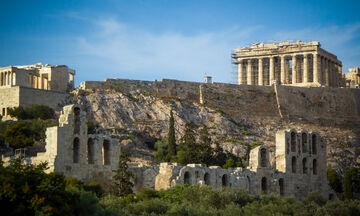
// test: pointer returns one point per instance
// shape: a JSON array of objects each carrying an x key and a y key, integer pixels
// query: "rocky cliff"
[{"x": 236, "y": 115}]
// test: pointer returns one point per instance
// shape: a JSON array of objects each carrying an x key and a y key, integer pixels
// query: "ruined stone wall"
[
  {"x": 9, "y": 97},
  {"x": 21, "y": 96},
  {"x": 286, "y": 178}
]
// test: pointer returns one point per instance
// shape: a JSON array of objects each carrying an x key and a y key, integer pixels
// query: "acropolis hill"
[{"x": 301, "y": 106}]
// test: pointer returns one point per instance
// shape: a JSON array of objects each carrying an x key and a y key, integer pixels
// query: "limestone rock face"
[
  {"x": 149, "y": 116},
  {"x": 237, "y": 115}
]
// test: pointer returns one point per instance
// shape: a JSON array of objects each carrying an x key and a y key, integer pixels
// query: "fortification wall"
[
  {"x": 53, "y": 99},
  {"x": 313, "y": 104}
]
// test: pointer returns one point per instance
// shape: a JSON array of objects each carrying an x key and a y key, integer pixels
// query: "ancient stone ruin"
[
  {"x": 296, "y": 64},
  {"x": 300, "y": 159}
]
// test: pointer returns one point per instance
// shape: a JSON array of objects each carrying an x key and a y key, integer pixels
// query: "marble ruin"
[
  {"x": 295, "y": 64},
  {"x": 300, "y": 159},
  {"x": 353, "y": 78},
  {"x": 34, "y": 84},
  {"x": 48, "y": 77},
  {"x": 300, "y": 169}
]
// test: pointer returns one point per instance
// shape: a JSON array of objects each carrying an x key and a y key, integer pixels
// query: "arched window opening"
[
  {"x": 287, "y": 145},
  {"x": 263, "y": 157},
  {"x": 264, "y": 185},
  {"x": 207, "y": 179},
  {"x": 76, "y": 150},
  {"x": 314, "y": 167},
  {"x": 293, "y": 142},
  {"x": 106, "y": 152},
  {"x": 187, "y": 178},
  {"x": 304, "y": 142},
  {"x": 304, "y": 164},
  {"x": 314, "y": 144},
  {"x": 225, "y": 180},
  {"x": 90, "y": 151},
  {"x": 293, "y": 164},
  {"x": 249, "y": 183},
  {"x": 281, "y": 185},
  {"x": 76, "y": 120}
]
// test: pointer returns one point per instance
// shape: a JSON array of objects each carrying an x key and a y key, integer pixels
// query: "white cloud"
[
  {"x": 162, "y": 55},
  {"x": 118, "y": 50}
]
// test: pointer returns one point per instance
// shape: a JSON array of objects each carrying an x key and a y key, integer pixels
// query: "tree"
[
  {"x": 161, "y": 154},
  {"x": 348, "y": 189},
  {"x": 123, "y": 185},
  {"x": 19, "y": 135},
  {"x": 28, "y": 190},
  {"x": 171, "y": 136},
  {"x": 334, "y": 180},
  {"x": 32, "y": 111},
  {"x": 207, "y": 152},
  {"x": 189, "y": 149},
  {"x": 229, "y": 163}
]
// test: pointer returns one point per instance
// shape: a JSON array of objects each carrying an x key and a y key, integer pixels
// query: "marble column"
[
  {"x": 327, "y": 75},
  {"x": 294, "y": 70},
  {"x": 249, "y": 72},
  {"x": 271, "y": 70},
  {"x": 261, "y": 72},
  {"x": 306, "y": 69},
  {"x": 282, "y": 70},
  {"x": 315, "y": 68},
  {"x": 240, "y": 72},
  {"x": 287, "y": 71},
  {"x": 11, "y": 78},
  {"x": 1, "y": 78}
]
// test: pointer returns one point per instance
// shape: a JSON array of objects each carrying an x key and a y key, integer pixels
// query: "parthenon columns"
[
  {"x": 294, "y": 72},
  {"x": 306, "y": 69},
  {"x": 282, "y": 70},
  {"x": 260, "y": 76},
  {"x": 240, "y": 72},
  {"x": 316, "y": 66},
  {"x": 249, "y": 73}
]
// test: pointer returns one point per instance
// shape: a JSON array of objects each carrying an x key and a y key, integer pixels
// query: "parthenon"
[{"x": 295, "y": 64}]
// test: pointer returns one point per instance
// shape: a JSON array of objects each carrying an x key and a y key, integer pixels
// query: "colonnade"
[
  {"x": 6, "y": 78},
  {"x": 38, "y": 82},
  {"x": 297, "y": 69}
]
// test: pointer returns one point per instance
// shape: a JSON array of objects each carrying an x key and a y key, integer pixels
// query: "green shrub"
[
  {"x": 32, "y": 111},
  {"x": 19, "y": 135},
  {"x": 95, "y": 188}
]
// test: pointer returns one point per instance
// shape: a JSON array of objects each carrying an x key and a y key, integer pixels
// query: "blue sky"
[{"x": 148, "y": 40}]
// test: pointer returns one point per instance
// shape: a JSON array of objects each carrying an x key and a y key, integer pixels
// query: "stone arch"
[
  {"x": 315, "y": 167},
  {"x": 304, "y": 165},
  {"x": 187, "y": 178},
  {"x": 106, "y": 152},
  {"x": 225, "y": 180},
  {"x": 293, "y": 164},
  {"x": 76, "y": 150},
  {"x": 264, "y": 185},
  {"x": 293, "y": 141},
  {"x": 287, "y": 145},
  {"x": 281, "y": 185},
  {"x": 304, "y": 142},
  {"x": 249, "y": 183},
  {"x": 207, "y": 178},
  {"x": 90, "y": 151},
  {"x": 263, "y": 157},
  {"x": 314, "y": 143},
  {"x": 76, "y": 120}
]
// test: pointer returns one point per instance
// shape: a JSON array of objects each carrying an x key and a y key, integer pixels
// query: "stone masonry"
[
  {"x": 34, "y": 84},
  {"x": 300, "y": 162},
  {"x": 296, "y": 64},
  {"x": 300, "y": 169}
]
